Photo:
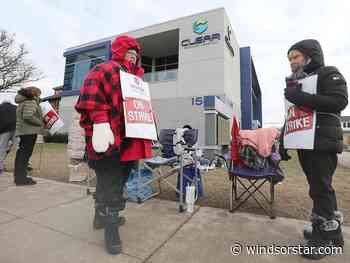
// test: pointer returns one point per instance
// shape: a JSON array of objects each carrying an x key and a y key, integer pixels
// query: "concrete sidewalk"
[
  {"x": 344, "y": 159},
  {"x": 52, "y": 222}
]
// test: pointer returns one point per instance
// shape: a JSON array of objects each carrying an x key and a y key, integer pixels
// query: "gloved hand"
[
  {"x": 284, "y": 153},
  {"x": 294, "y": 94},
  {"x": 102, "y": 137}
]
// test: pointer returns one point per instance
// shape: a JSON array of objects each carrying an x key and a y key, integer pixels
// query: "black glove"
[
  {"x": 284, "y": 153},
  {"x": 296, "y": 96},
  {"x": 293, "y": 93}
]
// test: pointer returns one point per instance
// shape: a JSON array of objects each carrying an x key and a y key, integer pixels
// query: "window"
[
  {"x": 80, "y": 71},
  {"x": 163, "y": 68},
  {"x": 90, "y": 55},
  {"x": 160, "y": 64},
  {"x": 167, "y": 63},
  {"x": 146, "y": 63},
  {"x": 68, "y": 76},
  {"x": 78, "y": 65},
  {"x": 96, "y": 61}
]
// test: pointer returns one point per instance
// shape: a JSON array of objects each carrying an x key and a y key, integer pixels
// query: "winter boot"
[
  {"x": 100, "y": 218},
  {"x": 307, "y": 232},
  {"x": 112, "y": 239},
  {"x": 324, "y": 232},
  {"x": 25, "y": 181}
]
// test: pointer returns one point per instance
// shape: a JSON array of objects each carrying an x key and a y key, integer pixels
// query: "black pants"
[
  {"x": 112, "y": 175},
  {"x": 319, "y": 168},
  {"x": 24, "y": 152}
]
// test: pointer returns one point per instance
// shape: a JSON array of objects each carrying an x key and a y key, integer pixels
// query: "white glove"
[{"x": 102, "y": 137}]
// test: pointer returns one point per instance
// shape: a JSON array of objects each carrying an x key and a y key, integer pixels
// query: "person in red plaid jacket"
[{"x": 109, "y": 152}]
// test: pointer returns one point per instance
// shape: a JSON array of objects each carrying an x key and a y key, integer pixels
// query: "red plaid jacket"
[{"x": 100, "y": 101}]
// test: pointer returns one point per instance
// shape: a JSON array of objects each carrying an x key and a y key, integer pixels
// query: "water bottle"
[{"x": 190, "y": 198}]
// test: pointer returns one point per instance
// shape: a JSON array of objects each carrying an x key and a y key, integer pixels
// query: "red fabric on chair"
[{"x": 235, "y": 142}]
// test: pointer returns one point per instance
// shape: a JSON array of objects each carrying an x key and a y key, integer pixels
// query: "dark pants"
[
  {"x": 24, "y": 152},
  {"x": 319, "y": 168},
  {"x": 112, "y": 176}
]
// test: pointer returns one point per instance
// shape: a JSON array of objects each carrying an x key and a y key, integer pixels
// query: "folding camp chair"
[
  {"x": 173, "y": 160},
  {"x": 255, "y": 180},
  {"x": 251, "y": 180}
]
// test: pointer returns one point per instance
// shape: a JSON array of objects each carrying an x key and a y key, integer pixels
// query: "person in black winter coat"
[
  {"x": 319, "y": 164},
  {"x": 7, "y": 129}
]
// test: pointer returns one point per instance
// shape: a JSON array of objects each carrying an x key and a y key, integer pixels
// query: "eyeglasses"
[{"x": 132, "y": 52}]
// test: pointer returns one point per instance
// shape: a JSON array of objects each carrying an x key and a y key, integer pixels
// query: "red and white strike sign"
[
  {"x": 300, "y": 122},
  {"x": 138, "y": 111},
  {"x": 138, "y": 114},
  {"x": 52, "y": 120}
]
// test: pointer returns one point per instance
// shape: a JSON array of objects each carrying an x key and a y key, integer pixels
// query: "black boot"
[
  {"x": 99, "y": 221},
  {"x": 307, "y": 231},
  {"x": 324, "y": 232},
  {"x": 25, "y": 181},
  {"x": 100, "y": 218},
  {"x": 112, "y": 239}
]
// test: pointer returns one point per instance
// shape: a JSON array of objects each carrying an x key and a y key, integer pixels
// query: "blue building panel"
[
  {"x": 246, "y": 88},
  {"x": 251, "y": 109}
]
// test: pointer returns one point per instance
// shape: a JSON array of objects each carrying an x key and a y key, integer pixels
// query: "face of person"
[
  {"x": 296, "y": 60},
  {"x": 131, "y": 56}
]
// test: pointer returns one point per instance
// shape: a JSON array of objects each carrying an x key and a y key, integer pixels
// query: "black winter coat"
[
  {"x": 331, "y": 97},
  {"x": 7, "y": 117}
]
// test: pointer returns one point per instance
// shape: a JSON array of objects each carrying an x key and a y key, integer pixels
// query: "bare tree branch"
[{"x": 15, "y": 68}]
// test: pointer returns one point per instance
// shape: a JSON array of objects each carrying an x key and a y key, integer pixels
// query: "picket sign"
[
  {"x": 52, "y": 120},
  {"x": 300, "y": 123},
  {"x": 138, "y": 114}
]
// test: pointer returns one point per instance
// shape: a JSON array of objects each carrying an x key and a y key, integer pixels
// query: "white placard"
[
  {"x": 138, "y": 114},
  {"x": 300, "y": 122},
  {"x": 52, "y": 120}
]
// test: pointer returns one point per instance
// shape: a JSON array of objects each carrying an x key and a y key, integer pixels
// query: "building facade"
[{"x": 197, "y": 72}]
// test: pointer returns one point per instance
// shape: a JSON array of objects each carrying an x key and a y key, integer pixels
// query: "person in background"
[
  {"x": 7, "y": 130},
  {"x": 29, "y": 123},
  {"x": 319, "y": 164}
]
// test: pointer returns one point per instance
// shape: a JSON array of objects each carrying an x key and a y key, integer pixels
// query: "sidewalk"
[
  {"x": 52, "y": 222},
  {"x": 344, "y": 159}
]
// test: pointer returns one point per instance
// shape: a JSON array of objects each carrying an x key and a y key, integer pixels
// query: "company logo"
[
  {"x": 201, "y": 40},
  {"x": 228, "y": 41},
  {"x": 200, "y": 25}
]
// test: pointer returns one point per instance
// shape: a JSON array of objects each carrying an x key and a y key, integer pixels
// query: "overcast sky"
[{"x": 269, "y": 27}]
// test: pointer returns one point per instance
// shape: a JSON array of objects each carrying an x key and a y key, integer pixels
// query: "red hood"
[{"x": 121, "y": 45}]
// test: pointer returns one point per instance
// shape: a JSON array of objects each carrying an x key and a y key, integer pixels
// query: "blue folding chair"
[
  {"x": 251, "y": 181},
  {"x": 255, "y": 180}
]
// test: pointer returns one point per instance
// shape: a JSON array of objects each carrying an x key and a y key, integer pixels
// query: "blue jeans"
[{"x": 5, "y": 146}]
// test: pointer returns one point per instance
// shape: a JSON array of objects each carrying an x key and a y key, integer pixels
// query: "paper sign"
[
  {"x": 52, "y": 120},
  {"x": 300, "y": 122},
  {"x": 138, "y": 114}
]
